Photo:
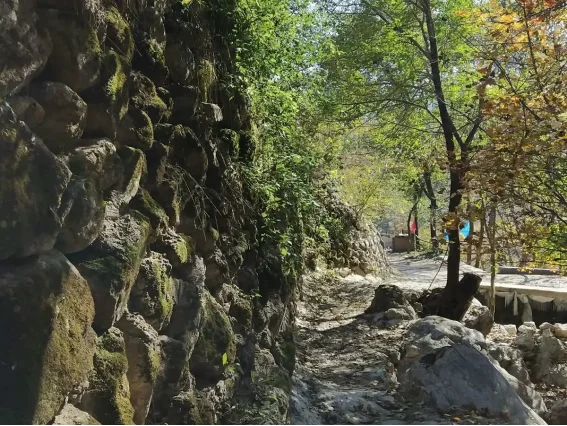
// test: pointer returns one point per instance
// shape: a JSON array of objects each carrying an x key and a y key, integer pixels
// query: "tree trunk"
[
  {"x": 480, "y": 241},
  {"x": 492, "y": 240},
  {"x": 452, "y": 290},
  {"x": 470, "y": 243},
  {"x": 456, "y": 307},
  {"x": 430, "y": 193},
  {"x": 417, "y": 245}
]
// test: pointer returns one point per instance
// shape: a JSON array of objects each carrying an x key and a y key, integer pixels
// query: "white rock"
[
  {"x": 511, "y": 329},
  {"x": 527, "y": 327},
  {"x": 560, "y": 330},
  {"x": 546, "y": 326}
]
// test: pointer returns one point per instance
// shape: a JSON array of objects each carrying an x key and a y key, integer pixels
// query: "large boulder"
[
  {"x": 65, "y": 115},
  {"x": 432, "y": 333},
  {"x": 111, "y": 264},
  {"x": 24, "y": 47},
  {"x": 459, "y": 375},
  {"x": 47, "y": 340},
  {"x": 31, "y": 193},
  {"x": 108, "y": 397},
  {"x": 144, "y": 362},
  {"x": 428, "y": 335},
  {"x": 71, "y": 415}
]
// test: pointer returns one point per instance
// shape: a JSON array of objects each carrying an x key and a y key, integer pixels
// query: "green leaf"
[{"x": 224, "y": 359}]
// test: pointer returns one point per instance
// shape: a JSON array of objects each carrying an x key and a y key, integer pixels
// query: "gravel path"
[{"x": 345, "y": 371}]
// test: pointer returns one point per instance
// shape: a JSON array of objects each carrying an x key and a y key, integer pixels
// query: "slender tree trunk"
[
  {"x": 480, "y": 241},
  {"x": 417, "y": 245},
  {"x": 470, "y": 242},
  {"x": 432, "y": 210},
  {"x": 452, "y": 290},
  {"x": 491, "y": 232}
]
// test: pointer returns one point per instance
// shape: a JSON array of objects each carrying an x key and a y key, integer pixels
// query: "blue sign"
[{"x": 465, "y": 232}]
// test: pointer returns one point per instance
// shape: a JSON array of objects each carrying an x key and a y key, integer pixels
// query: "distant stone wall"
[
  {"x": 132, "y": 284},
  {"x": 359, "y": 245}
]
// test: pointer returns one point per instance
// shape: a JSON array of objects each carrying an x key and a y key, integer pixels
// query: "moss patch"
[
  {"x": 206, "y": 77},
  {"x": 108, "y": 398},
  {"x": 116, "y": 75},
  {"x": 145, "y": 203},
  {"x": 48, "y": 344},
  {"x": 144, "y": 97},
  {"x": 111, "y": 265},
  {"x": 152, "y": 295},
  {"x": 119, "y": 35},
  {"x": 216, "y": 347}
]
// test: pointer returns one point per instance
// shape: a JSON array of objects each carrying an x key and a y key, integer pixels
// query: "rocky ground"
[{"x": 356, "y": 368}]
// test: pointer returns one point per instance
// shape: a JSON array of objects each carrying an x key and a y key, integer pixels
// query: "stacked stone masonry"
[{"x": 133, "y": 287}]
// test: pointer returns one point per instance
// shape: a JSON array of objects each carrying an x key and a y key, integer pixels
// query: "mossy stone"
[
  {"x": 119, "y": 34},
  {"x": 231, "y": 140},
  {"x": 144, "y": 97},
  {"x": 48, "y": 343},
  {"x": 111, "y": 265},
  {"x": 108, "y": 101},
  {"x": 108, "y": 396},
  {"x": 178, "y": 248},
  {"x": 150, "y": 59},
  {"x": 144, "y": 362},
  {"x": 145, "y": 204},
  {"x": 152, "y": 295},
  {"x": 136, "y": 130},
  {"x": 77, "y": 53},
  {"x": 216, "y": 347},
  {"x": 33, "y": 184},
  {"x": 134, "y": 172},
  {"x": 206, "y": 78}
]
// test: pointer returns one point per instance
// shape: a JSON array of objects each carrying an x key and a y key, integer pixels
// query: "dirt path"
[{"x": 345, "y": 370}]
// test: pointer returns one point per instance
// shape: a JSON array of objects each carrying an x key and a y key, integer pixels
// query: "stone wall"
[
  {"x": 133, "y": 287},
  {"x": 355, "y": 245}
]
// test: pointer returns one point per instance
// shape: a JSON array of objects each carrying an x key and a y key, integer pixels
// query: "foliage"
[
  {"x": 279, "y": 44},
  {"x": 522, "y": 168}
]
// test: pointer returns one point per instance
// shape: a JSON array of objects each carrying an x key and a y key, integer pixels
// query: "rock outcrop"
[
  {"x": 459, "y": 375},
  {"x": 461, "y": 350}
]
